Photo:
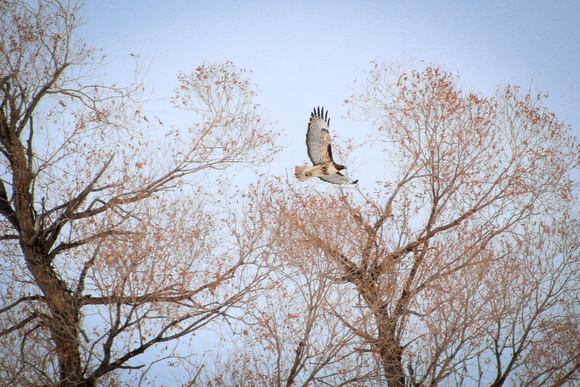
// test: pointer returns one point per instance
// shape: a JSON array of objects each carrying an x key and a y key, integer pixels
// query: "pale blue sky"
[{"x": 306, "y": 53}]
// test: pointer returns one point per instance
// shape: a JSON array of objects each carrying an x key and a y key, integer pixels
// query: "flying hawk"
[{"x": 320, "y": 152}]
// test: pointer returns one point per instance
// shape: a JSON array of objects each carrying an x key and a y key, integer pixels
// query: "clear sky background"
[{"x": 307, "y": 53}]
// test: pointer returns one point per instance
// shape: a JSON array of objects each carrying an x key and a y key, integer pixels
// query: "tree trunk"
[
  {"x": 391, "y": 356},
  {"x": 63, "y": 320},
  {"x": 387, "y": 344}
]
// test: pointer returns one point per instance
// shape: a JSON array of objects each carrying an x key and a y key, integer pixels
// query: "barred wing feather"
[
  {"x": 318, "y": 137},
  {"x": 337, "y": 178}
]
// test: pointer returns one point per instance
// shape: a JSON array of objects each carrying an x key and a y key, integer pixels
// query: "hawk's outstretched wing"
[
  {"x": 337, "y": 178},
  {"x": 318, "y": 137}
]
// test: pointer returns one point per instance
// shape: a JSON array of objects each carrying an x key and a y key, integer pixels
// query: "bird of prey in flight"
[{"x": 320, "y": 152}]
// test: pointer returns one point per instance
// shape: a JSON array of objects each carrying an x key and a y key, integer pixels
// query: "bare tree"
[
  {"x": 290, "y": 333},
  {"x": 464, "y": 265},
  {"x": 112, "y": 240}
]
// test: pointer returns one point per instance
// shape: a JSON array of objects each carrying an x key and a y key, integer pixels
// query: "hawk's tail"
[{"x": 300, "y": 175}]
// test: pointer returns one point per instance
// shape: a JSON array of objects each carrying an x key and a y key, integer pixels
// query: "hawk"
[{"x": 320, "y": 152}]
